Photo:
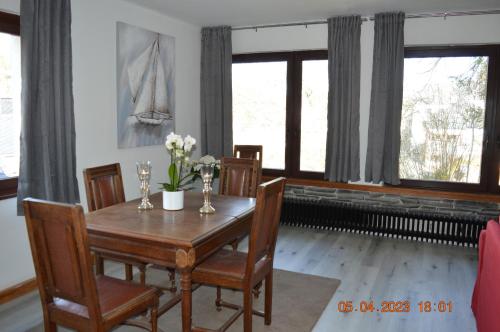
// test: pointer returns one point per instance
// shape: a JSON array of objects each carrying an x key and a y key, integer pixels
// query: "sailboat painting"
[{"x": 145, "y": 82}]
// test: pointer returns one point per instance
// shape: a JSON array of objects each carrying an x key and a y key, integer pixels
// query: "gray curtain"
[
  {"x": 384, "y": 138},
  {"x": 47, "y": 167},
  {"x": 216, "y": 92},
  {"x": 342, "y": 143}
]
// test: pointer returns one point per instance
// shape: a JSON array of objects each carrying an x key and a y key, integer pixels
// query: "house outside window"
[{"x": 448, "y": 122}]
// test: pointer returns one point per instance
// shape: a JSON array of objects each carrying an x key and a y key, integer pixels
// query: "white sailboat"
[{"x": 148, "y": 85}]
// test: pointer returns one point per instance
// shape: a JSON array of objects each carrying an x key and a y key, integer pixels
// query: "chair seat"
[
  {"x": 225, "y": 265},
  {"x": 114, "y": 294}
]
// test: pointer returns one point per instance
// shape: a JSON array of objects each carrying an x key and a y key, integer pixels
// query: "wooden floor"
[
  {"x": 382, "y": 269},
  {"x": 370, "y": 268}
]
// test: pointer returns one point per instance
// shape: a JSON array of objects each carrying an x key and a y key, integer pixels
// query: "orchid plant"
[{"x": 180, "y": 170}]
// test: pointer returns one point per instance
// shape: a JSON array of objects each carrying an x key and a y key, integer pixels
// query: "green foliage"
[
  {"x": 180, "y": 181},
  {"x": 177, "y": 178}
]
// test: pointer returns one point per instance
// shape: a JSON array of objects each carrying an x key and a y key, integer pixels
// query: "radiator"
[{"x": 348, "y": 217}]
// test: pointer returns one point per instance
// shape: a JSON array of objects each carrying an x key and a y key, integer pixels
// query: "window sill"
[{"x": 399, "y": 190}]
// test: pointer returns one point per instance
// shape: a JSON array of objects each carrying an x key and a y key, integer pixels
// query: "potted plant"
[{"x": 180, "y": 170}]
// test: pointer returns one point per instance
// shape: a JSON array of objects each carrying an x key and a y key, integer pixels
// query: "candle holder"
[
  {"x": 207, "y": 174},
  {"x": 144, "y": 174}
]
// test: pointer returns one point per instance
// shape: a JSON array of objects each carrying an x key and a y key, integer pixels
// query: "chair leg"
[
  {"x": 154, "y": 318},
  {"x": 142, "y": 275},
  {"x": 247, "y": 310},
  {"x": 256, "y": 290},
  {"x": 268, "y": 304},
  {"x": 99, "y": 265},
  {"x": 129, "y": 276},
  {"x": 171, "y": 275},
  {"x": 49, "y": 326},
  {"x": 218, "y": 301},
  {"x": 234, "y": 244}
]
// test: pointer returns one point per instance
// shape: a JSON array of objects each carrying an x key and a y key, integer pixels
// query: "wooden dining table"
[{"x": 182, "y": 238}]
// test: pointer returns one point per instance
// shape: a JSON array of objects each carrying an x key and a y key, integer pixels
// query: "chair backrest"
[
  {"x": 248, "y": 151},
  {"x": 61, "y": 255},
  {"x": 265, "y": 223},
  {"x": 251, "y": 152},
  {"x": 238, "y": 176},
  {"x": 104, "y": 186}
]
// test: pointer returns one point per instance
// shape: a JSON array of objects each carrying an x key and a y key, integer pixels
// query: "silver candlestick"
[
  {"x": 207, "y": 174},
  {"x": 144, "y": 174}
]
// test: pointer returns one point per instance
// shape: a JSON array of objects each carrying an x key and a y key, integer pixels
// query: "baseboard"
[{"x": 17, "y": 290}]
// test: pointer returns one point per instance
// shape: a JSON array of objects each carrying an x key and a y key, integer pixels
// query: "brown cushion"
[
  {"x": 113, "y": 293},
  {"x": 226, "y": 264}
]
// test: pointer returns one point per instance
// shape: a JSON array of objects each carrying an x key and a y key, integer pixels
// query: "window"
[
  {"x": 314, "y": 107},
  {"x": 259, "y": 94},
  {"x": 10, "y": 103},
  {"x": 448, "y": 119},
  {"x": 280, "y": 102}
]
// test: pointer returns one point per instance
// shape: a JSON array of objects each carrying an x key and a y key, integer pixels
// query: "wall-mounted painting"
[{"x": 145, "y": 82}]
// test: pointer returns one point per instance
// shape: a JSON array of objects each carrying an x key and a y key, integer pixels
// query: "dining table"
[{"x": 181, "y": 238}]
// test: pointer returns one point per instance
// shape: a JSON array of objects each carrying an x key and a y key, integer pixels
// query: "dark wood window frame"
[
  {"x": 293, "y": 106},
  {"x": 491, "y": 140},
  {"x": 9, "y": 23}
]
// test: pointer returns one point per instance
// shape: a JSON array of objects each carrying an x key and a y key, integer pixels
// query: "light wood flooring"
[{"x": 370, "y": 268}]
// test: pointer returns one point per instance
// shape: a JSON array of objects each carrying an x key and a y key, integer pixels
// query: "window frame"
[
  {"x": 293, "y": 122},
  {"x": 491, "y": 147},
  {"x": 11, "y": 24}
]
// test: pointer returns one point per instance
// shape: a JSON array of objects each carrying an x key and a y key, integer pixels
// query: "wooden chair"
[
  {"x": 238, "y": 176},
  {"x": 70, "y": 293},
  {"x": 251, "y": 152},
  {"x": 104, "y": 187},
  {"x": 241, "y": 271}
]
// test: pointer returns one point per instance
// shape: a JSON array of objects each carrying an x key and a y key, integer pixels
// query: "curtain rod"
[{"x": 371, "y": 18}]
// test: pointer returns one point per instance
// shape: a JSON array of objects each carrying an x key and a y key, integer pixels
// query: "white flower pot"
[{"x": 173, "y": 200}]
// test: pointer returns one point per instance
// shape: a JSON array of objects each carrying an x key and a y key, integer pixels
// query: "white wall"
[
  {"x": 425, "y": 31},
  {"x": 10, "y": 6},
  {"x": 94, "y": 86}
]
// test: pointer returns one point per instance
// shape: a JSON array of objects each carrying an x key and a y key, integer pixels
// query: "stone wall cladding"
[{"x": 398, "y": 203}]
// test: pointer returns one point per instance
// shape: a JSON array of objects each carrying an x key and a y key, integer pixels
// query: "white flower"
[
  {"x": 179, "y": 143},
  {"x": 179, "y": 153},
  {"x": 169, "y": 143},
  {"x": 206, "y": 160},
  {"x": 188, "y": 143},
  {"x": 174, "y": 141}
]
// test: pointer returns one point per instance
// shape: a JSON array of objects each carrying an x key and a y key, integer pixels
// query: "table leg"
[
  {"x": 184, "y": 260},
  {"x": 186, "y": 300}
]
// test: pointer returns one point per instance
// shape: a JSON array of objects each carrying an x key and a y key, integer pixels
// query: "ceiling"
[{"x": 255, "y": 12}]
